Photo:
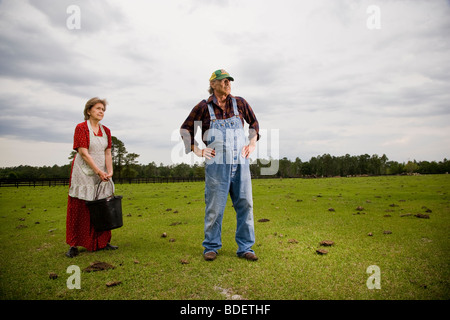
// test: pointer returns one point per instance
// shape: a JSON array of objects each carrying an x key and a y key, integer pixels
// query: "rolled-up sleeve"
[
  {"x": 250, "y": 118},
  {"x": 187, "y": 129}
]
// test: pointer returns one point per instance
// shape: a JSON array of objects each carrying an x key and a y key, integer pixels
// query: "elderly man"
[{"x": 227, "y": 169}]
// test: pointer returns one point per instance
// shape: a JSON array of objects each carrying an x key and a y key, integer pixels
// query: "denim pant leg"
[
  {"x": 241, "y": 195},
  {"x": 217, "y": 184}
]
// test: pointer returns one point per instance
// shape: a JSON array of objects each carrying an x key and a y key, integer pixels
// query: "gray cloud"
[
  {"x": 96, "y": 16},
  {"x": 310, "y": 69},
  {"x": 42, "y": 48}
]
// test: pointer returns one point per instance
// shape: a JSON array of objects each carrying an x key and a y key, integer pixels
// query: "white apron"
[{"x": 84, "y": 181}]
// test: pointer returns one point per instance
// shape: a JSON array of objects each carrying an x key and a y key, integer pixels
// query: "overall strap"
[
  {"x": 211, "y": 112},
  {"x": 235, "y": 109}
]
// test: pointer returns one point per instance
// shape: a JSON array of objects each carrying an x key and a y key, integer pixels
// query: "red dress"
[{"x": 79, "y": 231}]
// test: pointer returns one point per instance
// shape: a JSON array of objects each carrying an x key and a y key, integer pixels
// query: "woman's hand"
[{"x": 103, "y": 175}]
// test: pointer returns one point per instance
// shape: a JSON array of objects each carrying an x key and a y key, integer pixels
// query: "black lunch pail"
[{"x": 106, "y": 214}]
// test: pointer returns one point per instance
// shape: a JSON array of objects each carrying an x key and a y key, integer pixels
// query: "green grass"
[{"x": 413, "y": 259}]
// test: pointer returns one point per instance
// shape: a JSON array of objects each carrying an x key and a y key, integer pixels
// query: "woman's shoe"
[
  {"x": 73, "y": 252},
  {"x": 110, "y": 247}
]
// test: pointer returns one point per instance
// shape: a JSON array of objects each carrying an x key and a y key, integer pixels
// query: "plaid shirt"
[{"x": 201, "y": 113}]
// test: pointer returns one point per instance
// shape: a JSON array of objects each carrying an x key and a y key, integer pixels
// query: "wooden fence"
[{"x": 65, "y": 182}]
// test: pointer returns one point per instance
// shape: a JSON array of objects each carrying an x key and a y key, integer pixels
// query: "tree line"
[
  {"x": 343, "y": 166},
  {"x": 126, "y": 166}
]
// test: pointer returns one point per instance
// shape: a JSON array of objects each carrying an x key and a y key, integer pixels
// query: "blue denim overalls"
[{"x": 228, "y": 172}]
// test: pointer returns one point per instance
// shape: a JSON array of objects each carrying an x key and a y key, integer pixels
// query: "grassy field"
[{"x": 411, "y": 252}]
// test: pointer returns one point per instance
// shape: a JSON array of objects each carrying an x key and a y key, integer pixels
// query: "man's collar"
[{"x": 212, "y": 98}]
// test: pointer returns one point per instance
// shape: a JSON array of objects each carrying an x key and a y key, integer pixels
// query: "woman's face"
[{"x": 97, "y": 112}]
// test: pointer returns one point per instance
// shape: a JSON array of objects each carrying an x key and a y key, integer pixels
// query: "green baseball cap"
[{"x": 220, "y": 74}]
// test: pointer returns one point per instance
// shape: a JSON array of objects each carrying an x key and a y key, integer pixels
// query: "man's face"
[{"x": 221, "y": 87}]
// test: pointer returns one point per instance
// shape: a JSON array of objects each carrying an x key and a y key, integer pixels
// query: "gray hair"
[
  {"x": 92, "y": 102},
  {"x": 210, "y": 89}
]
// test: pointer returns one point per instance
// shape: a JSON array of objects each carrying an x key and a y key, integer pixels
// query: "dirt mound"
[{"x": 98, "y": 266}]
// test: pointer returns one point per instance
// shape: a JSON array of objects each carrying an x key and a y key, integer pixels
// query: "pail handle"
[{"x": 98, "y": 188}]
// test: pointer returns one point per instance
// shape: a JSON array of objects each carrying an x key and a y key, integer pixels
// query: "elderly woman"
[{"x": 92, "y": 164}]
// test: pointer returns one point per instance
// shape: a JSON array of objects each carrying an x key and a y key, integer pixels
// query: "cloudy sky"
[{"x": 329, "y": 76}]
